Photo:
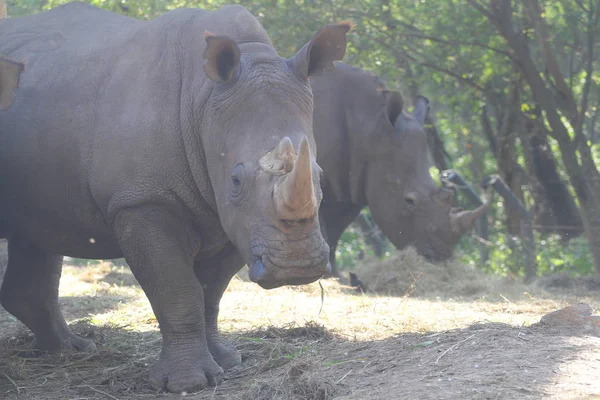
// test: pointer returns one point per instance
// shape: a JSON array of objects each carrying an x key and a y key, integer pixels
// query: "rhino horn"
[
  {"x": 294, "y": 194},
  {"x": 461, "y": 221},
  {"x": 285, "y": 154}
]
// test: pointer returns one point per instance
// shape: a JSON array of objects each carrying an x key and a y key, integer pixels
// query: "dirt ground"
[{"x": 421, "y": 332}]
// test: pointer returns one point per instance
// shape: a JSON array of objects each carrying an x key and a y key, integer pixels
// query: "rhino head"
[
  {"x": 262, "y": 160},
  {"x": 404, "y": 200}
]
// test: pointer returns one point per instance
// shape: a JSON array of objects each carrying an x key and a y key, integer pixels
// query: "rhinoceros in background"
[
  {"x": 186, "y": 152},
  {"x": 374, "y": 154}
]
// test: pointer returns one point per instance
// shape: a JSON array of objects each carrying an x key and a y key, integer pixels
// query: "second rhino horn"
[
  {"x": 462, "y": 221},
  {"x": 294, "y": 194}
]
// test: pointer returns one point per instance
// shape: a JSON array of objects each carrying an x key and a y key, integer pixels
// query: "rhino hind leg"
[
  {"x": 30, "y": 293},
  {"x": 215, "y": 274}
]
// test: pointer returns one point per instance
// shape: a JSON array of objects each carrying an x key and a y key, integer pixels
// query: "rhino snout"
[{"x": 268, "y": 275}]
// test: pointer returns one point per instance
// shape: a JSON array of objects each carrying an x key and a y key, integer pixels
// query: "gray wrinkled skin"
[
  {"x": 375, "y": 154},
  {"x": 122, "y": 140}
]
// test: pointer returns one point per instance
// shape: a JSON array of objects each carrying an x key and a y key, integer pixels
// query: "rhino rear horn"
[
  {"x": 317, "y": 56},
  {"x": 281, "y": 159},
  {"x": 462, "y": 221},
  {"x": 9, "y": 80},
  {"x": 222, "y": 57},
  {"x": 294, "y": 194}
]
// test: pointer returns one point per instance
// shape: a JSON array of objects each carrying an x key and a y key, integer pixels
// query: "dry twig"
[{"x": 452, "y": 347}]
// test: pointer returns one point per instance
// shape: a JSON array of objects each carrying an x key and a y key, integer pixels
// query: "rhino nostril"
[
  {"x": 290, "y": 223},
  {"x": 257, "y": 270}
]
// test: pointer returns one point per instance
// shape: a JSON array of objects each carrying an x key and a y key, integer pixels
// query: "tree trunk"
[
  {"x": 544, "y": 215},
  {"x": 586, "y": 181},
  {"x": 502, "y": 142},
  {"x": 565, "y": 216},
  {"x": 3, "y": 10}
]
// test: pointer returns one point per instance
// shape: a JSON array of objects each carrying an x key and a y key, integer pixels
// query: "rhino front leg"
[
  {"x": 160, "y": 251},
  {"x": 215, "y": 274},
  {"x": 30, "y": 293}
]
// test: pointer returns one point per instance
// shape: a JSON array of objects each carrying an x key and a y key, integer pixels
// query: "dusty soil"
[{"x": 446, "y": 343}]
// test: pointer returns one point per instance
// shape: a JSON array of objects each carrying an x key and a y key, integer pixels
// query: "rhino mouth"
[
  {"x": 435, "y": 251},
  {"x": 433, "y": 256},
  {"x": 268, "y": 275}
]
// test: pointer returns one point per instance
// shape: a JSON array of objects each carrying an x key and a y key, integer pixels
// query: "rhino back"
[{"x": 99, "y": 115}]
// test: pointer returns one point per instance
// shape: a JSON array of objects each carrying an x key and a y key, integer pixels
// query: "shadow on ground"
[
  {"x": 483, "y": 361},
  {"x": 77, "y": 307}
]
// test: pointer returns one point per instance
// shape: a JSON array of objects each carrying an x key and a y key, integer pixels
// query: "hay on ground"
[
  {"x": 408, "y": 274},
  {"x": 301, "y": 379}
]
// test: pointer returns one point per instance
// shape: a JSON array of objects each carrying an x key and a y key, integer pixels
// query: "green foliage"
[{"x": 507, "y": 255}]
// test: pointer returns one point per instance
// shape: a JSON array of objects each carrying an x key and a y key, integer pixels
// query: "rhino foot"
[
  {"x": 178, "y": 375},
  {"x": 71, "y": 343},
  {"x": 225, "y": 354}
]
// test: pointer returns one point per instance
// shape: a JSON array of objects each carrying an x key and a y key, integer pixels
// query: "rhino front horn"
[
  {"x": 294, "y": 194},
  {"x": 462, "y": 221}
]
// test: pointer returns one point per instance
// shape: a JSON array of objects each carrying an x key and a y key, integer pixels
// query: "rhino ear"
[
  {"x": 394, "y": 105},
  {"x": 421, "y": 109},
  {"x": 222, "y": 57},
  {"x": 318, "y": 55},
  {"x": 9, "y": 80}
]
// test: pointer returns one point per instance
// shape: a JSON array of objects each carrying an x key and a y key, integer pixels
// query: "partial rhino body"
[
  {"x": 187, "y": 152},
  {"x": 374, "y": 154}
]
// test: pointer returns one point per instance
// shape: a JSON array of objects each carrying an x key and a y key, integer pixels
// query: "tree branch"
[
  {"x": 488, "y": 131},
  {"x": 581, "y": 5},
  {"x": 453, "y": 74},
  {"x": 566, "y": 94},
  {"x": 541, "y": 93},
  {"x": 455, "y": 43},
  {"x": 475, "y": 4}
]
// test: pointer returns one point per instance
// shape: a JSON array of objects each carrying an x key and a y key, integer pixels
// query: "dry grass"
[
  {"x": 409, "y": 274},
  {"x": 416, "y": 326}
]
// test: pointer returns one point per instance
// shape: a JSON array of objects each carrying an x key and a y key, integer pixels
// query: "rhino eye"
[{"x": 237, "y": 182}]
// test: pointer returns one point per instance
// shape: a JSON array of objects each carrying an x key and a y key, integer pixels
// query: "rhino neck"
[
  {"x": 344, "y": 171},
  {"x": 357, "y": 180},
  {"x": 339, "y": 144},
  {"x": 194, "y": 96}
]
